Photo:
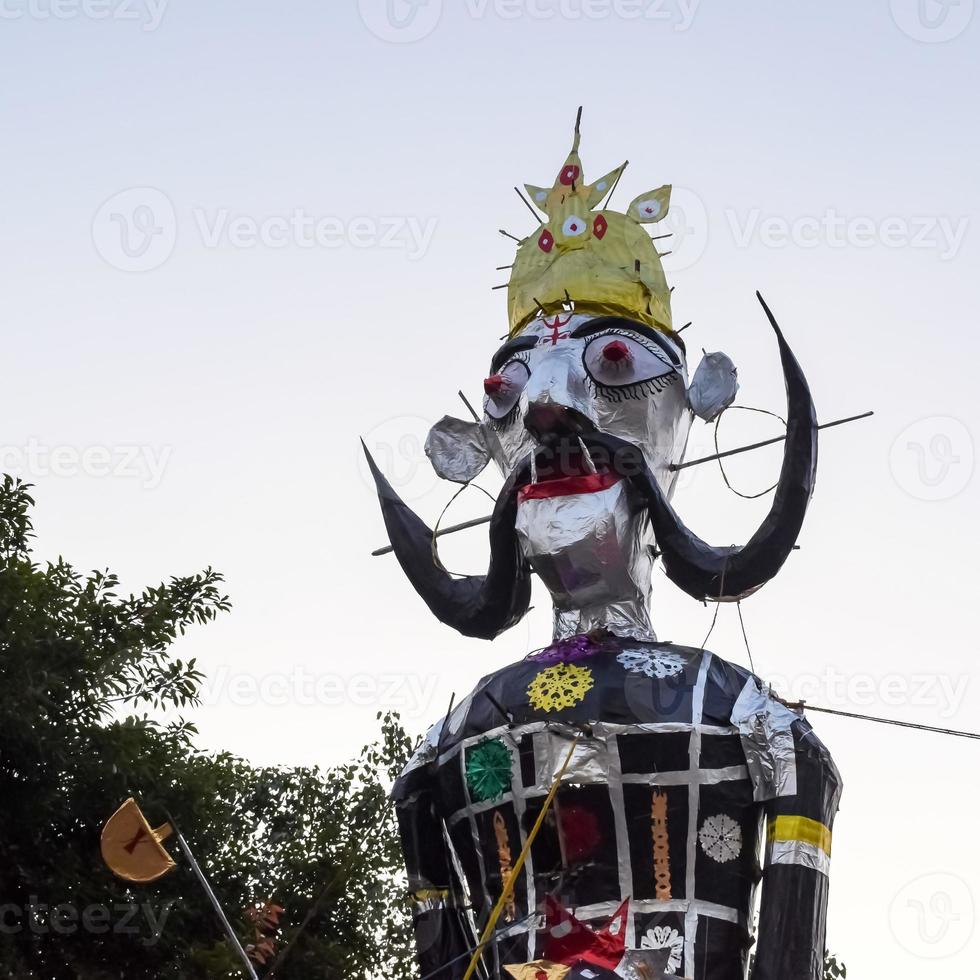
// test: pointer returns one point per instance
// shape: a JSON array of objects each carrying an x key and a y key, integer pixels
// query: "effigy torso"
[{"x": 679, "y": 753}]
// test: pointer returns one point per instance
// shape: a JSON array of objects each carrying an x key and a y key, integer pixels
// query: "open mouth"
[{"x": 564, "y": 466}]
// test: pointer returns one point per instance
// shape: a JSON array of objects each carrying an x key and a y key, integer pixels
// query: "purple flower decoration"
[{"x": 569, "y": 651}]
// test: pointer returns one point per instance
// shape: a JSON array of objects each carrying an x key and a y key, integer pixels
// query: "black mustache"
[{"x": 476, "y": 605}]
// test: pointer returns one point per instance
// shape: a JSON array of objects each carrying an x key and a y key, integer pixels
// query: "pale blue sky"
[{"x": 824, "y": 153}]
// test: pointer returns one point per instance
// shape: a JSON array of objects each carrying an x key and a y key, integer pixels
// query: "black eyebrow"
[
  {"x": 601, "y": 323},
  {"x": 510, "y": 348}
]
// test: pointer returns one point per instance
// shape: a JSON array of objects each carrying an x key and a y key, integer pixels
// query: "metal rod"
[
  {"x": 466, "y": 402},
  {"x": 534, "y": 213},
  {"x": 209, "y": 891},
  {"x": 477, "y": 521},
  {"x": 612, "y": 189},
  {"x": 886, "y": 721},
  {"x": 759, "y": 445}
]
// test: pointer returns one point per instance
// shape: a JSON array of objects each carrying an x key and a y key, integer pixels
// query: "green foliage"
[
  {"x": 832, "y": 969},
  {"x": 85, "y": 674}
]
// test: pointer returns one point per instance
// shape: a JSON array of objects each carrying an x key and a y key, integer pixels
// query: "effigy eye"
[{"x": 616, "y": 351}]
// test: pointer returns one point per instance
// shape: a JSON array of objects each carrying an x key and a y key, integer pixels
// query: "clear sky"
[{"x": 237, "y": 235}]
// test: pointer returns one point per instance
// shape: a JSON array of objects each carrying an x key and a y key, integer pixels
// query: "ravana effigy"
[{"x": 610, "y": 805}]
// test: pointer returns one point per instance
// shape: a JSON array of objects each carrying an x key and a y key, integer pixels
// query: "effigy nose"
[{"x": 558, "y": 397}]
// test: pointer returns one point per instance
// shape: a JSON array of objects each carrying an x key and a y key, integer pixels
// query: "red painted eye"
[
  {"x": 495, "y": 384},
  {"x": 546, "y": 242},
  {"x": 616, "y": 351},
  {"x": 599, "y": 226},
  {"x": 569, "y": 175}
]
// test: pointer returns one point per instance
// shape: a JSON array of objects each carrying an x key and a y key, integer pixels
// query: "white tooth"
[{"x": 589, "y": 465}]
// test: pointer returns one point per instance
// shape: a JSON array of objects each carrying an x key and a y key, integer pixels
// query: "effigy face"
[
  {"x": 563, "y": 375},
  {"x": 558, "y": 382},
  {"x": 600, "y": 809}
]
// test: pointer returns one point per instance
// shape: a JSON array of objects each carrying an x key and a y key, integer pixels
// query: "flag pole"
[{"x": 209, "y": 891}]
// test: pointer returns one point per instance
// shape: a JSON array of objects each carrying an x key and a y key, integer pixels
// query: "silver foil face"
[
  {"x": 594, "y": 553},
  {"x": 593, "y": 550},
  {"x": 585, "y": 547}
]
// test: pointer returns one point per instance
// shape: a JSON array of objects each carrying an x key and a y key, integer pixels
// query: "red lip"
[{"x": 568, "y": 486}]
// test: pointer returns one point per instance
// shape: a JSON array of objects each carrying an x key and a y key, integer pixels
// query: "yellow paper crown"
[{"x": 600, "y": 261}]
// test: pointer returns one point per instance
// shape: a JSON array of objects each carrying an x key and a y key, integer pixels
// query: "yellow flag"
[{"x": 132, "y": 849}]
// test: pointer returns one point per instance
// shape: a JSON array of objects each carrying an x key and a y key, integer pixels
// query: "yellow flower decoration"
[{"x": 561, "y": 686}]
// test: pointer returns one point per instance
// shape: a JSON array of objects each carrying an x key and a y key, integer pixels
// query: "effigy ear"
[
  {"x": 457, "y": 449},
  {"x": 651, "y": 206},
  {"x": 714, "y": 386}
]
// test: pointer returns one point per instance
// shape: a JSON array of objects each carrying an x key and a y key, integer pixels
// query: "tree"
[
  {"x": 86, "y": 674},
  {"x": 833, "y": 969}
]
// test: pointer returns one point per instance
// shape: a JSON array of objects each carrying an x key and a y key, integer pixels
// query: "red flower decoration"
[
  {"x": 546, "y": 242},
  {"x": 599, "y": 226},
  {"x": 569, "y": 175}
]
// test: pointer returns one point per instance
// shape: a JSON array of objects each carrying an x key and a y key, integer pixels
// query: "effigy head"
[{"x": 587, "y": 410}]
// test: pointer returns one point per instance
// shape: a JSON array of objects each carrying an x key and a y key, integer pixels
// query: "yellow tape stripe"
[{"x": 801, "y": 829}]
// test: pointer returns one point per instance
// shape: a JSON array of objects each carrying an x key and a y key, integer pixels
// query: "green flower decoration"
[{"x": 488, "y": 770}]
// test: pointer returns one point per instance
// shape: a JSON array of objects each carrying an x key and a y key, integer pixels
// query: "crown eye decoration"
[{"x": 587, "y": 257}]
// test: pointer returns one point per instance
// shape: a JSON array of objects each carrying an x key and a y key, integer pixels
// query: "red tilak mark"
[
  {"x": 600, "y": 226},
  {"x": 546, "y": 242},
  {"x": 616, "y": 351},
  {"x": 554, "y": 328},
  {"x": 494, "y": 384},
  {"x": 141, "y": 835}
]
